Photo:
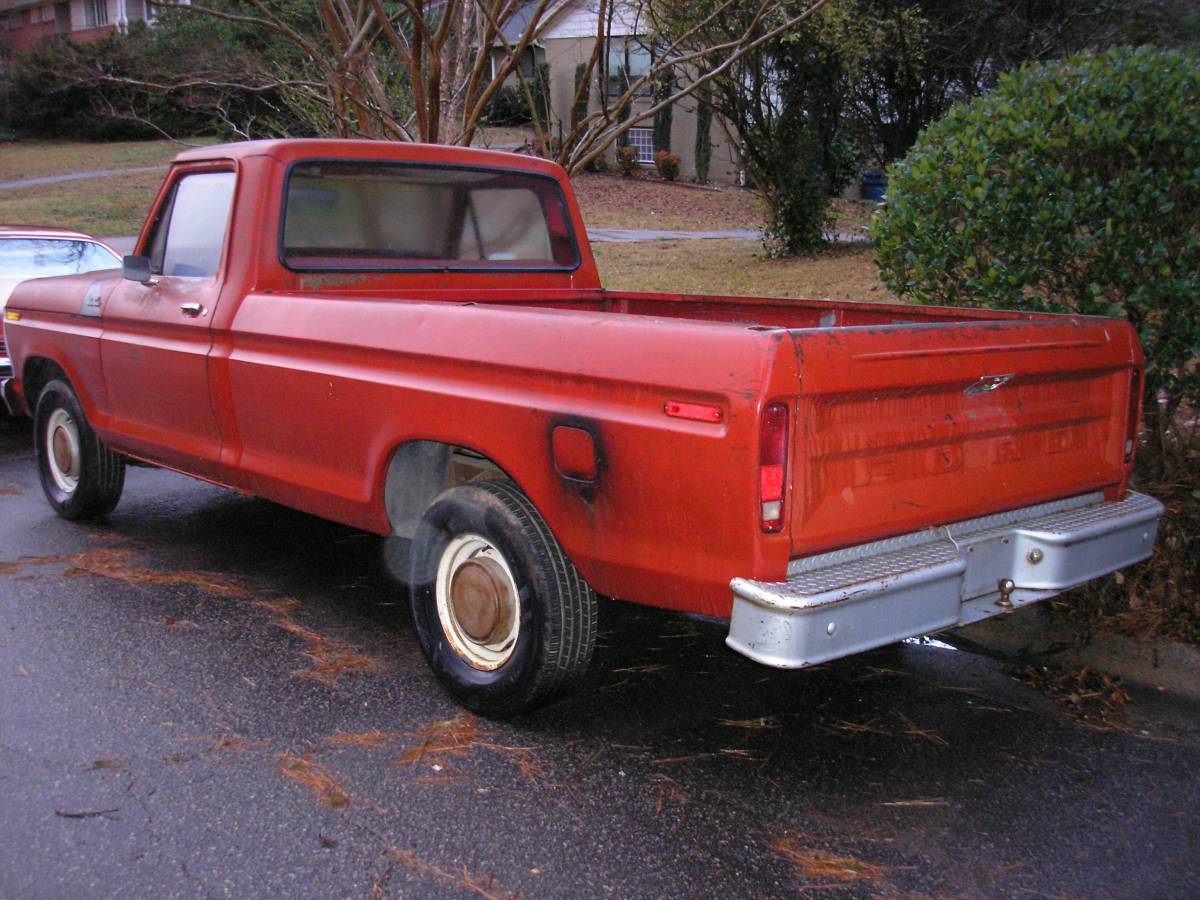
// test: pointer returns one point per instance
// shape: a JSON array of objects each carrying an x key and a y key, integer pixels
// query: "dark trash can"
[{"x": 874, "y": 184}]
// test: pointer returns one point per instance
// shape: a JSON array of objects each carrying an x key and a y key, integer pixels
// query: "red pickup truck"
[{"x": 413, "y": 340}]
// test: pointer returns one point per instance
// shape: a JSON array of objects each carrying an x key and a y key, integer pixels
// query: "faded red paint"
[{"x": 299, "y": 386}]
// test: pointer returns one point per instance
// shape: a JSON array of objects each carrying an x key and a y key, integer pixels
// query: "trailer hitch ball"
[{"x": 1006, "y": 586}]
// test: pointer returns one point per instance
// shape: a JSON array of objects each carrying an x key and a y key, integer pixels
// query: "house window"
[
  {"x": 643, "y": 140},
  {"x": 95, "y": 12},
  {"x": 628, "y": 60}
]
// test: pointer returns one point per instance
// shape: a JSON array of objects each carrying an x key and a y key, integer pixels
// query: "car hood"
[{"x": 6, "y": 288}]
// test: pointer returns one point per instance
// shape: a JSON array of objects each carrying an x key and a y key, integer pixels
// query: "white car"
[{"x": 30, "y": 252}]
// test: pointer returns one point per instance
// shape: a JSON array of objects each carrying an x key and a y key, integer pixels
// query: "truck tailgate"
[{"x": 904, "y": 426}]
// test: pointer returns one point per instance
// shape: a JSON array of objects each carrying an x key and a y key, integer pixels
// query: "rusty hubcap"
[
  {"x": 63, "y": 456},
  {"x": 481, "y": 599},
  {"x": 477, "y": 602}
]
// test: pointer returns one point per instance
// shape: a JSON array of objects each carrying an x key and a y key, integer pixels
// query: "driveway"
[{"x": 210, "y": 695}]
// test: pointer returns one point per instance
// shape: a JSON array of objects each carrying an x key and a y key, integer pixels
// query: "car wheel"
[
  {"x": 81, "y": 477},
  {"x": 504, "y": 619}
]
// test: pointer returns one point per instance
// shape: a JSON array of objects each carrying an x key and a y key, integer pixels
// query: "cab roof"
[{"x": 295, "y": 149}]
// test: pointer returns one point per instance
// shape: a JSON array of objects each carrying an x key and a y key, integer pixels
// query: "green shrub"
[
  {"x": 508, "y": 107},
  {"x": 627, "y": 160},
  {"x": 667, "y": 164},
  {"x": 1074, "y": 186}
]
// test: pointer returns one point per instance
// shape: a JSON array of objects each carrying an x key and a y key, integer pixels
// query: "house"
[
  {"x": 24, "y": 23},
  {"x": 564, "y": 42}
]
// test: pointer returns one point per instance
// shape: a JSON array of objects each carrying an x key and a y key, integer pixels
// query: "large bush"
[{"x": 1074, "y": 186}]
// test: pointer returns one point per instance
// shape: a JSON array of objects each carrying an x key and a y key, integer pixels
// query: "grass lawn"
[
  {"x": 105, "y": 207},
  {"x": 843, "y": 272},
  {"x": 610, "y": 201},
  {"x": 33, "y": 159}
]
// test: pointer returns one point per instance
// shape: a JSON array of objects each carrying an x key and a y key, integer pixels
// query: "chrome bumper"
[{"x": 847, "y": 601}]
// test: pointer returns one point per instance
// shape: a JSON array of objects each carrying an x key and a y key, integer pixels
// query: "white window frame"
[
  {"x": 641, "y": 138},
  {"x": 95, "y": 13}
]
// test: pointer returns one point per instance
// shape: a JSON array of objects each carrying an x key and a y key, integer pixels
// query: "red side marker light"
[{"x": 697, "y": 412}]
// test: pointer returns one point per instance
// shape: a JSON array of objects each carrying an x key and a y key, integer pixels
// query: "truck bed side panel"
[{"x": 671, "y": 518}]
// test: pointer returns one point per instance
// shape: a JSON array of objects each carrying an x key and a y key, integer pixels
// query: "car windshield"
[
  {"x": 41, "y": 257},
  {"x": 366, "y": 215}
]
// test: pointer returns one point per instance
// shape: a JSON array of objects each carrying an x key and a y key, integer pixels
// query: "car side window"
[{"x": 187, "y": 240}]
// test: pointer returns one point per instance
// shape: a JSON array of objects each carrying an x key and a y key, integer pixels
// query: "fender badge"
[{"x": 988, "y": 383}]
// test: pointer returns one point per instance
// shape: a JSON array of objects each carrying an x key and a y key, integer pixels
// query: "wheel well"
[
  {"x": 420, "y": 470},
  {"x": 39, "y": 372}
]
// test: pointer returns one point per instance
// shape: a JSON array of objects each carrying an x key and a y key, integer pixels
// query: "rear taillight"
[
  {"x": 1131, "y": 422},
  {"x": 772, "y": 466}
]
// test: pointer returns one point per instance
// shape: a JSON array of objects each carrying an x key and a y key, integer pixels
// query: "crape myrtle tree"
[{"x": 414, "y": 69}]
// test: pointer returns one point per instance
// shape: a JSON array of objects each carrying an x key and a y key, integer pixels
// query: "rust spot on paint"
[{"x": 6, "y": 491}]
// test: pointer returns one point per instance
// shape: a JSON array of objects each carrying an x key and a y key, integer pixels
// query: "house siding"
[
  {"x": 26, "y": 22},
  {"x": 564, "y": 54}
]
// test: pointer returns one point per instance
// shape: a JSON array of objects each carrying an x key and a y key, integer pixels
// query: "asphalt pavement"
[{"x": 210, "y": 695}]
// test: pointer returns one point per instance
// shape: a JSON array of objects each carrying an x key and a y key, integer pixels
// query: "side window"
[{"x": 188, "y": 238}]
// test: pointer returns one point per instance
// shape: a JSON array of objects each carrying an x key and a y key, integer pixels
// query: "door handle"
[{"x": 191, "y": 309}]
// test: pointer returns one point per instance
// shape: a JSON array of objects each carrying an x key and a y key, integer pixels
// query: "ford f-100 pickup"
[{"x": 414, "y": 340}]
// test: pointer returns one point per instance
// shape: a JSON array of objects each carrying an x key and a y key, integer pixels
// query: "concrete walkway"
[
  {"x": 635, "y": 235},
  {"x": 74, "y": 176}
]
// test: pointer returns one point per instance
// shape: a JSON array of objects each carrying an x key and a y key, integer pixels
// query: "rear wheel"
[
  {"x": 504, "y": 619},
  {"x": 80, "y": 476}
]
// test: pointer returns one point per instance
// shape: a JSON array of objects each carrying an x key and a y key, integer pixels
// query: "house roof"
[{"x": 519, "y": 20}]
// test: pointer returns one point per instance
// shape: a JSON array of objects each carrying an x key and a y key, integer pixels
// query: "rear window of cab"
[{"x": 382, "y": 216}]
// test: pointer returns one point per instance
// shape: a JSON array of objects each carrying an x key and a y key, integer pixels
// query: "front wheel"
[
  {"x": 504, "y": 619},
  {"x": 81, "y": 477}
]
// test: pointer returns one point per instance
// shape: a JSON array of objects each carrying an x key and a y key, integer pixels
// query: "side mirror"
[{"x": 137, "y": 268}]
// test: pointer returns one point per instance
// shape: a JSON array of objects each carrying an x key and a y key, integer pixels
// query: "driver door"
[{"x": 157, "y": 334}]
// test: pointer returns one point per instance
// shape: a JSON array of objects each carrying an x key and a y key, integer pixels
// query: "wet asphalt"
[{"x": 210, "y": 695}]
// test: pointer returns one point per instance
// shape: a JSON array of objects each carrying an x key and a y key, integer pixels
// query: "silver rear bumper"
[{"x": 847, "y": 601}]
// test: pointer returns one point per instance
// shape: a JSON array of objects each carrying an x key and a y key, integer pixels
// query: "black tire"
[
  {"x": 99, "y": 474},
  {"x": 556, "y": 623}
]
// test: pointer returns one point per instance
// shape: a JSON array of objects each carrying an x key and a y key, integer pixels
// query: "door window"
[{"x": 188, "y": 238}]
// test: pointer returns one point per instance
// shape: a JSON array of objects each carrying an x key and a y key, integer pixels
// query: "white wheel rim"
[
  {"x": 478, "y": 605},
  {"x": 62, "y": 450}
]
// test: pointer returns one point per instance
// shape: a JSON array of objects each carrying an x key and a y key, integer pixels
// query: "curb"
[{"x": 1167, "y": 666}]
